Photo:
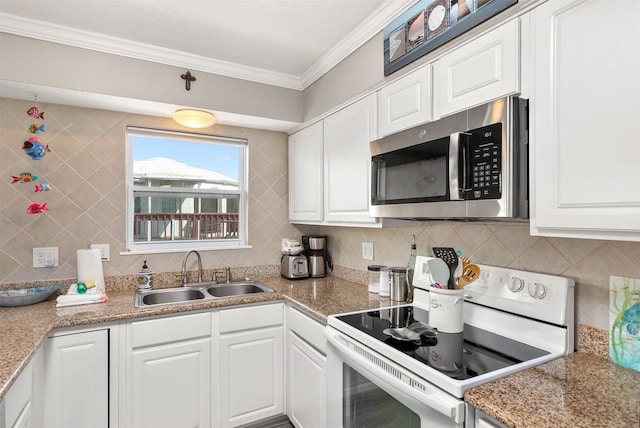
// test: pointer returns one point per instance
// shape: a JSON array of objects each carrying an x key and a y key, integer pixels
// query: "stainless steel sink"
[
  {"x": 201, "y": 291},
  {"x": 237, "y": 289},
  {"x": 170, "y": 295}
]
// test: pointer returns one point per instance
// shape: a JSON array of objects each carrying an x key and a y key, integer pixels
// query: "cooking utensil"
[
  {"x": 410, "y": 333},
  {"x": 451, "y": 259},
  {"x": 470, "y": 273},
  {"x": 439, "y": 271}
]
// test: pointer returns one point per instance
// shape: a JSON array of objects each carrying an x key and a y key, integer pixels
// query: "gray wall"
[{"x": 49, "y": 64}]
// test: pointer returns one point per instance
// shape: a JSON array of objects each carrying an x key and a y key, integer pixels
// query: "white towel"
[{"x": 80, "y": 299}]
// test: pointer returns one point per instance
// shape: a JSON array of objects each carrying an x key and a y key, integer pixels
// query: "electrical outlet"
[
  {"x": 104, "y": 251},
  {"x": 367, "y": 250},
  {"x": 45, "y": 257}
]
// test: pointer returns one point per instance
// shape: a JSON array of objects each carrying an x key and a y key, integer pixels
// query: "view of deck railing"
[{"x": 183, "y": 226}]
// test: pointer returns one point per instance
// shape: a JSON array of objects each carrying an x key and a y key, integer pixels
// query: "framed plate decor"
[
  {"x": 430, "y": 24},
  {"x": 415, "y": 31},
  {"x": 396, "y": 43}
]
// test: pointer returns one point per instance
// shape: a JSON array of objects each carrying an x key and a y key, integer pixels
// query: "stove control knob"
[
  {"x": 515, "y": 284},
  {"x": 537, "y": 290}
]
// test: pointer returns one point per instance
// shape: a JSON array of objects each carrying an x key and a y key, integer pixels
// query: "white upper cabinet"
[
  {"x": 406, "y": 102},
  {"x": 481, "y": 70},
  {"x": 347, "y": 162},
  {"x": 583, "y": 131},
  {"x": 305, "y": 174},
  {"x": 330, "y": 168}
]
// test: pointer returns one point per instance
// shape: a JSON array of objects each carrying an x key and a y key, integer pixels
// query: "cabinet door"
[
  {"x": 305, "y": 174},
  {"x": 482, "y": 70},
  {"x": 171, "y": 385},
  {"x": 76, "y": 380},
  {"x": 23, "y": 400},
  {"x": 251, "y": 371},
  {"x": 584, "y": 135},
  {"x": 405, "y": 102},
  {"x": 306, "y": 397},
  {"x": 347, "y": 162}
]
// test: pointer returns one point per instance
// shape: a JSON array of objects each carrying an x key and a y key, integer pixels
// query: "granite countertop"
[
  {"x": 583, "y": 389},
  {"x": 25, "y": 328},
  {"x": 579, "y": 390}
]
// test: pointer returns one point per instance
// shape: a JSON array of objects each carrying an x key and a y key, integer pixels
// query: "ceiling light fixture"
[{"x": 194, "y": 118}]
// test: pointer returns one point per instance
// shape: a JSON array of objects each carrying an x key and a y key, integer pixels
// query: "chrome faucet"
[{"x": 183, "y": 271}]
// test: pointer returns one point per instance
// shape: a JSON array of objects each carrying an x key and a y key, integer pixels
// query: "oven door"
[{"x": 365, "y": 389}]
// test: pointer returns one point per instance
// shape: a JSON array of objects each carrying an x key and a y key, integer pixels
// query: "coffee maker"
[{"x": 315, "y": 248}]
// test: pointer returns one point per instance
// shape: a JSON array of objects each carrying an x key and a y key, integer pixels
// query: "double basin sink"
[{"x": 201, "y": 291}]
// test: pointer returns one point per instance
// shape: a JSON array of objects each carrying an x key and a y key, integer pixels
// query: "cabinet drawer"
[
  {"x": 163, "y": 330},
  {"x": 307, "y": 328},
  {"x": 250, "y": 317}
]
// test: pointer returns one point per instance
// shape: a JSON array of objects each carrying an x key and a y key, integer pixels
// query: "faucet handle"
[
  {"x": 227, "y": 274},
  {"x": 214, "y": 277},
  {"x": 182, "y": 275}
]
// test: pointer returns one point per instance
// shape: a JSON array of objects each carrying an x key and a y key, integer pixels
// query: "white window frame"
[{"x": 133, "y": 247}]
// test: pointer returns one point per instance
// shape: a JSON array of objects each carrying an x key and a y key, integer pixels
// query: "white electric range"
[{"x": 513, "y": 320}]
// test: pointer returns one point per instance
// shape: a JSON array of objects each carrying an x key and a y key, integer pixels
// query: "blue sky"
[{"x": 221, "y": 159}]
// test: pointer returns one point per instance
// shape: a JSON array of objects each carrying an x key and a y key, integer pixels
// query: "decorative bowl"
[{"x": 27, "y": 296}]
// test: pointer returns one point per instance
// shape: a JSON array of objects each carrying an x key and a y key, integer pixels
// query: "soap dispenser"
[
  {"x": 144, "y": 278},
  {"x": 410, "y": 268}
]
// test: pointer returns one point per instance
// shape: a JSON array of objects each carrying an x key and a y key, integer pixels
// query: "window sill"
[{"x": 182, "y": 250}]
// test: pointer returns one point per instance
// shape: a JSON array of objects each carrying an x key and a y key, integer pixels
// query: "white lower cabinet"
[
  {"x": 306, "y": 362},
  {"x": 168, "y": 373},
  {"x": 249, "y": 377},
  {"x": 23, "y": 402},
  {"x": 76, "y": 380}
]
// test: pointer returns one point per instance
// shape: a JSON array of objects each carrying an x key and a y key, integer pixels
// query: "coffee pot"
[{"x": 315, "y": 249}]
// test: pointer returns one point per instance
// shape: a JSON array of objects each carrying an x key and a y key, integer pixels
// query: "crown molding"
[
  {"x": 54, "y": 33},
  {"x": 41, "y": 30},
  {"x": 363, "y": 33}
]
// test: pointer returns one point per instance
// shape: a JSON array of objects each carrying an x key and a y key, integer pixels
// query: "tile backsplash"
[
  {"x": 507, "y": 244},
  {"x": 86, "y": 166}
]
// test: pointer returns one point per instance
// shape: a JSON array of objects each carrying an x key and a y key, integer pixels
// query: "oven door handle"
[{"x": 427, "y": 394}]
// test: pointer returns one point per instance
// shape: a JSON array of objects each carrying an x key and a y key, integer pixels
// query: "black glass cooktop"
[{"x": 461, "y": 356}]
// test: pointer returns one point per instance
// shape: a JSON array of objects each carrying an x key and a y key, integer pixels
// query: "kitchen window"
[{"x": 185, "y": 191}]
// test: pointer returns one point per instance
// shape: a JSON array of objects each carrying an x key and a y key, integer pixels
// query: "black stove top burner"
[{"x": 458, "y": 355}]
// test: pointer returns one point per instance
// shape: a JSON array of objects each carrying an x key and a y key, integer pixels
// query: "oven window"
[{"x": 365, "y": 405}]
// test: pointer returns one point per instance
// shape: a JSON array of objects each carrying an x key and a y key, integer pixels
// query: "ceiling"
[{"x": 288, "y": 43}]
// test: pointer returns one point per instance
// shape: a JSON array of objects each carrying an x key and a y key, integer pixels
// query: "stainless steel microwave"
[{"x": 472, "y": 164}]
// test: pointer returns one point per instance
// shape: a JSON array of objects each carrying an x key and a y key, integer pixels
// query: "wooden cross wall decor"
[{"x": 188, "y": 78}]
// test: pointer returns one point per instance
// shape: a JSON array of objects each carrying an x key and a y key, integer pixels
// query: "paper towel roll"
[{"x": 90, "y": 267}]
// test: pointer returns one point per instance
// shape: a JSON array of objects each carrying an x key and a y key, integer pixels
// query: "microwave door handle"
[
  {"x": 465, "y": 147},
  {"x": 454, "y": 167}
]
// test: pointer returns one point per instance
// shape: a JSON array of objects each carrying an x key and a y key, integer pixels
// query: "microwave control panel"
[{"x": 485, "y": 161}]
